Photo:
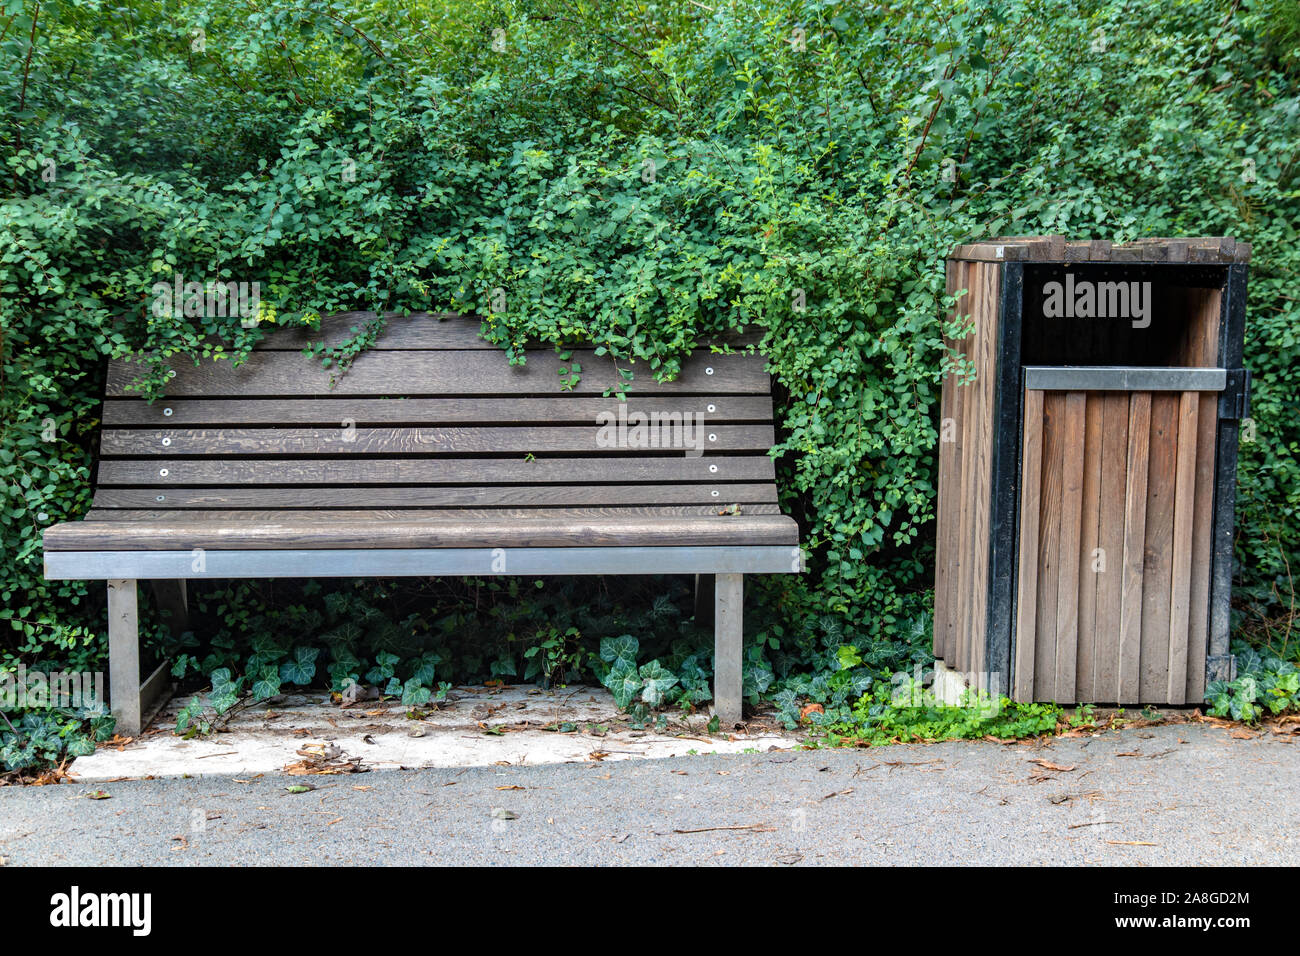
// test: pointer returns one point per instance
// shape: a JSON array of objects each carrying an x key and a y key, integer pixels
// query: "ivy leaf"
[
  {"x": 623, "y": 682},
  {"x": 619, "y": 651},
  {"x": 189, "y": 714},
  {"x": 414, "y": 694},
  {"x": 267, "y": 684},
  {"x": 227, "y": 698},
  {"x": 426, "y": 667},
  {"x": 657, "y": 680},
  {"x": 385, "y": 664},
  {"x": 300, "y": 669}
]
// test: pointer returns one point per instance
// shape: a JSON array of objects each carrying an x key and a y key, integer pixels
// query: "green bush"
[
  {"x": 37, "y": 739},
  {"x": 640, "y": 176},
  {"x": 1265, "y": 684}
]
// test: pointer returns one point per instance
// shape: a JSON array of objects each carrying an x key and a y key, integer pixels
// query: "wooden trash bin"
[{"x": 1087, "y": 470}]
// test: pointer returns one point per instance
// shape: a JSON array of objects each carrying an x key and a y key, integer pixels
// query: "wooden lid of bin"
[{"x": 1205, "y": 250}]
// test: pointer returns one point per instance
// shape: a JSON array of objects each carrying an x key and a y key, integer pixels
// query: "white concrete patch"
[{"x": 266, "y": 739}]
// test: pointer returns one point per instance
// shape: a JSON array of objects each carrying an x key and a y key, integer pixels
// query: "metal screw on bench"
[
  {"x": 713, "y": 408},
  {"x": 166, "y": 441},
  {"x": 163, "y": 472},
  {"x": 167, "y": 412},
  {"x": 160, "y": 498},
  {"x": 708, "y": 371},
  {"x": 713, "y": 437},
  {"x": 713, "y": 468}
]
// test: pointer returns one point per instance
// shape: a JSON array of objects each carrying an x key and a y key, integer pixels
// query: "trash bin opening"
[{"x": 1146, "y": 315}]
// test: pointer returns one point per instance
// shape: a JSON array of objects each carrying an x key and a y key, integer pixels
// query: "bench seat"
[
  {"x": 431, "y": 455},
  {"x": 303, "y": 530}
]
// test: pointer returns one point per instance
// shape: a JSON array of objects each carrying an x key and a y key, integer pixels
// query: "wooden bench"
[{"x": 432, "y": 455}]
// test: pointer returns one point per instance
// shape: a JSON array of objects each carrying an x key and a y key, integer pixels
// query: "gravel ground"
[{"x": 1181, "y": 794}]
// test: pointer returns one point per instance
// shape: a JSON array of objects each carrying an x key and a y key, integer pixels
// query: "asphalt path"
[{"x": 1181, "y": 794}]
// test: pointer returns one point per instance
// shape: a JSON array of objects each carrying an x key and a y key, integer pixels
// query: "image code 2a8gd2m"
[{"x": 1187, "y": 898}]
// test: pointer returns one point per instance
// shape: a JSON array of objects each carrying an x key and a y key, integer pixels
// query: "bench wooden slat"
[
  {"x": 296, "y": 530},
  {"x": 332, "y": 410},
  {"x": 443, "y": 373},
  {"x": 352, "y": 511},
  {"x": 507, "y": 440},
  {"x": 516, "y": 496},
  {"x": 437, "y": 471},
  {"x": 419, "y": 330}
]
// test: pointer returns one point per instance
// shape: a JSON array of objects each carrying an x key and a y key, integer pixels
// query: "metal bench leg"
[
  {"x": 124, "y": 656},
  {"x": 728, "y": 647}
]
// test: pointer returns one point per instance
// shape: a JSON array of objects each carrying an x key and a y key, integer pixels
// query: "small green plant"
[
  {"x": 36, "y": 739},
  {"x": 903, "y": 711},
  {"x": 558, "y": 655},
  {"x": 1083, "y": 716},
  {"x": 209, "y": 712},
  {"x": 1265, "y": 684}
]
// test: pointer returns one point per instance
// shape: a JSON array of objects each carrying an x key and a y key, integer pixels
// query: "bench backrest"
[{"x": 433, "y": 418}]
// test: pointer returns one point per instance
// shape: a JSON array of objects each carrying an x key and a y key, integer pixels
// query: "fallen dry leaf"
[
  {"x": 1048, "y": 765},
  {"x": 324, "y": 759},
  {"x": 1218, "y": 721}
]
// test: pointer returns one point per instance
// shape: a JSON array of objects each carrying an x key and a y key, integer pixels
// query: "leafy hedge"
[{"x": 641, "y": 176}]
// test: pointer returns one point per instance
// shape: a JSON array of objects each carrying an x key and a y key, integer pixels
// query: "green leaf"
[
  {"x": 619, "y": 652},
  {"x": 623, "y": 682},
  {"x": 656, "y": 681}
]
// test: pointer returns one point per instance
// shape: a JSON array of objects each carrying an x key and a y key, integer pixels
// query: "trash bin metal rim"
[{"x": 1124, "y": 378}]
